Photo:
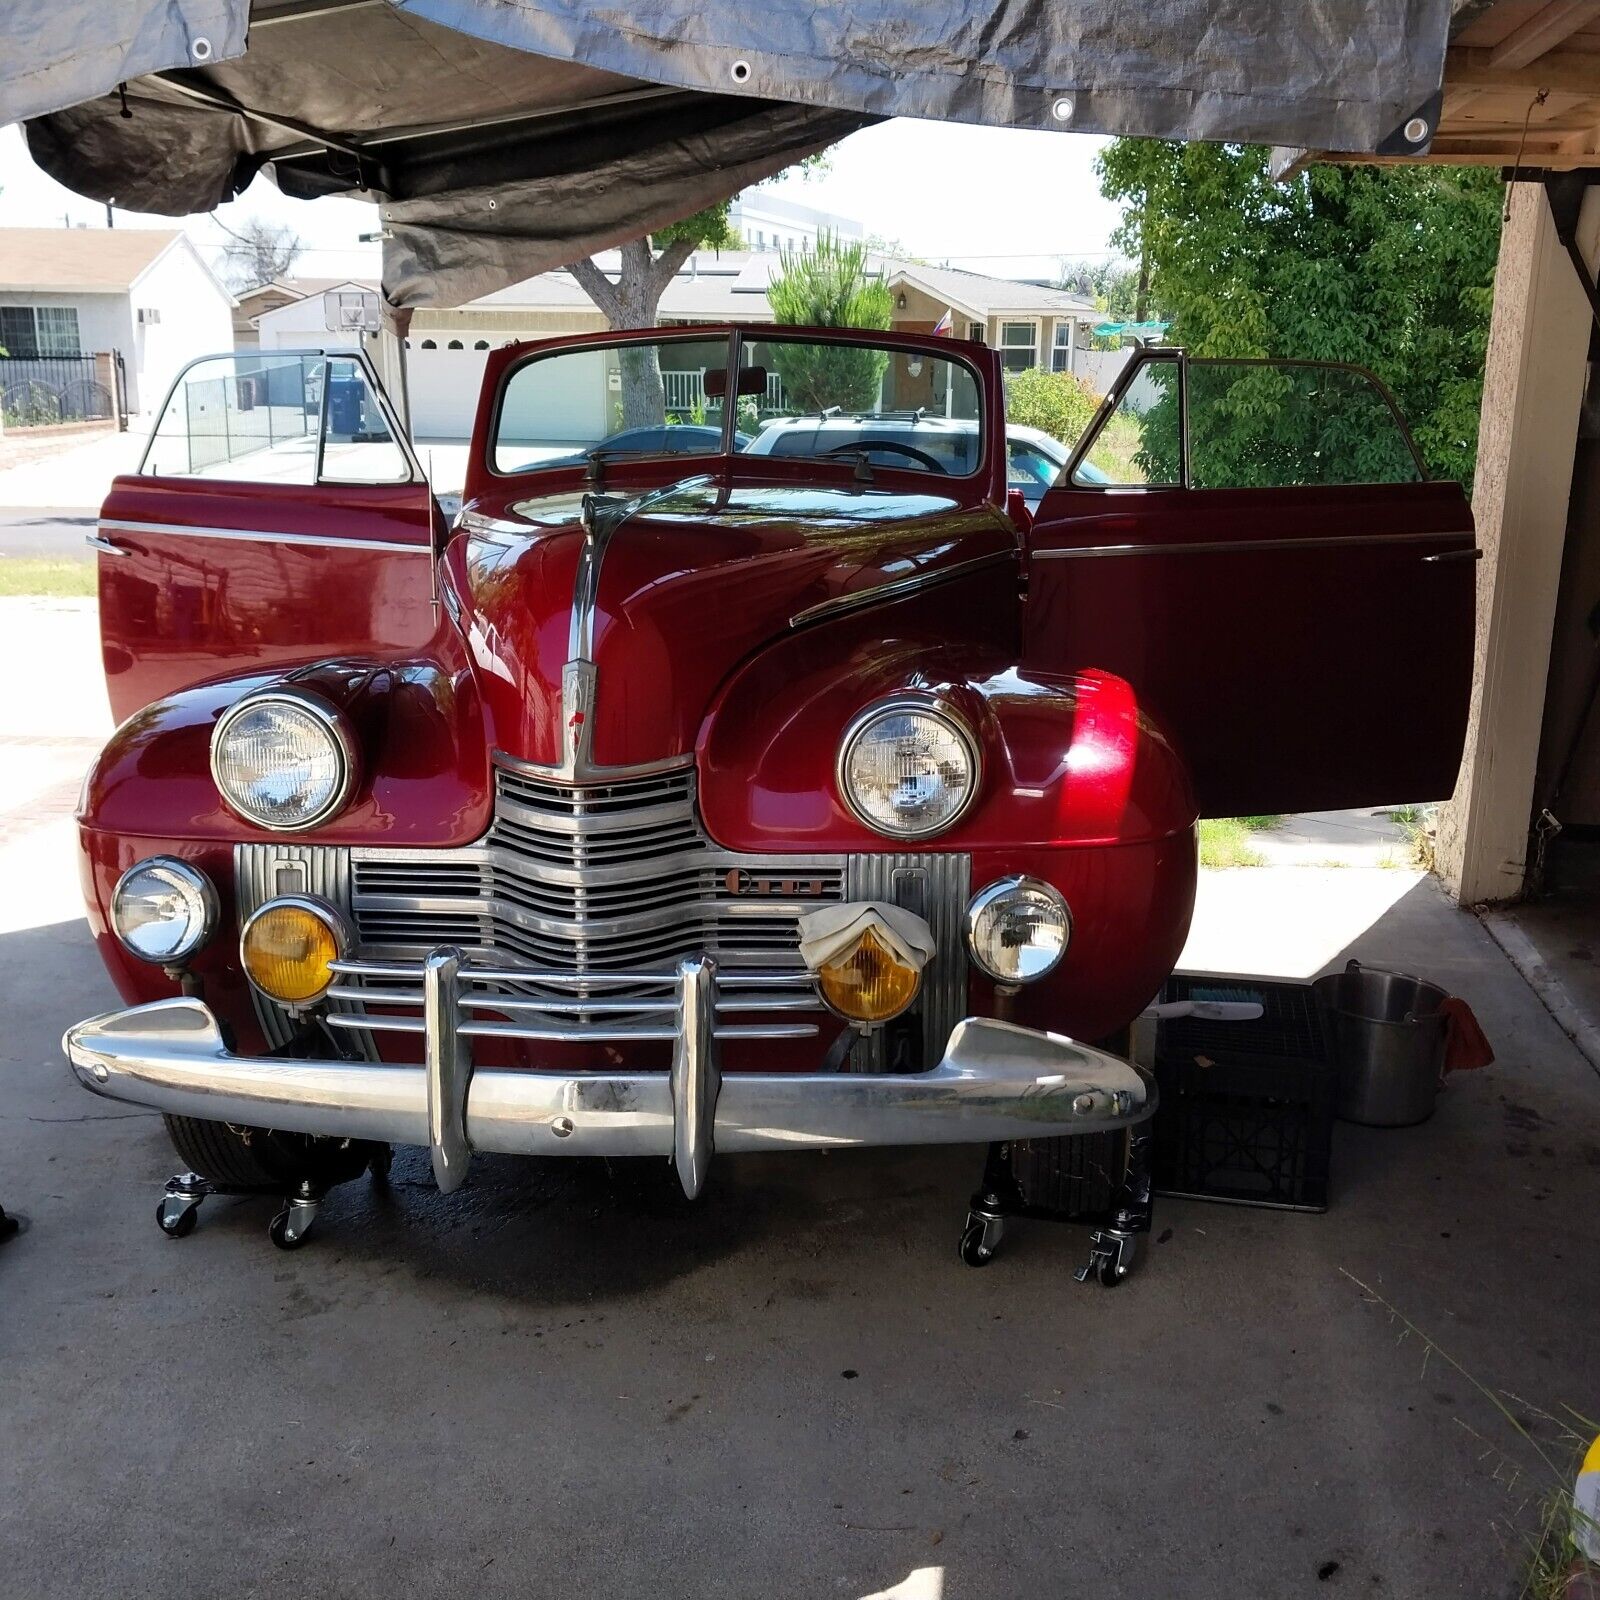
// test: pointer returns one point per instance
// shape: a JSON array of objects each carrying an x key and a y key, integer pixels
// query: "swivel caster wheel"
[
  {"x": 177, "y": 1217},
  {"x": 1111, "y": 1257},
  {"x": 980, "y": 1239},
  {"x": 382, "y": 1160},
  {"x": 288, "y": 1230}
]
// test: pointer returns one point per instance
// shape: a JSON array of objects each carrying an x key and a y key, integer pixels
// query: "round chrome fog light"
[
  {"x": 288, "y": 948},
  {"x": 1018, "y": 929},
  {"x": 163, "y": 909}
]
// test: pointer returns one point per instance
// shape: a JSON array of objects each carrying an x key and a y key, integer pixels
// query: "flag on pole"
[{"x": 945, "y": 326}]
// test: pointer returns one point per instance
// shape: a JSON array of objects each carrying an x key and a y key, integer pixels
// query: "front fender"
[
  {"x": 1070, "y": 759},
  {"x": 425, "y": 768}
]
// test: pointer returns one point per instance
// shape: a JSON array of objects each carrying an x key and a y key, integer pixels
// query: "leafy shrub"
[
  {"x": 1059, "y": 403},
  {"x": 829, "y": 287}
]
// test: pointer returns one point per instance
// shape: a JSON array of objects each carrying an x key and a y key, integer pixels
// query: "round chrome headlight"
[
  {"x": 283, "y": 759},
  {"x": 1018, "y": 929},
  {"x": 908, "y": 768},
  {"x": 163, "y": 909}
]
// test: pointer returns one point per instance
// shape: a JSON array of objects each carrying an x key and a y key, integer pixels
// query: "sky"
[{"x": 1012, "y": 202}]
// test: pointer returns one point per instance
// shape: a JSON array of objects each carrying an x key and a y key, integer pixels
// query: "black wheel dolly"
[
  {"x": 179, "y": 1207},
  {"x": 1114, "y": 1240}
]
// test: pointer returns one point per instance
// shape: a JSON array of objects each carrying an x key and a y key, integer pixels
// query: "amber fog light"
[
  {"x": 289, "y": 946},
  {"x": 867, "y": 982}
]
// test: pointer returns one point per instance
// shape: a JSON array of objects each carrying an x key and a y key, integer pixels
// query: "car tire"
[{"x": 260, "y": 1158}]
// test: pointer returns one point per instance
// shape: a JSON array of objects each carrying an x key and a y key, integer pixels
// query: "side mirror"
[{"x": 751, "y": 381}]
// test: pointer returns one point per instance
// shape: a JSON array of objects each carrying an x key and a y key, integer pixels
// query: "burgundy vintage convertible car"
[{"x": 775, "y": 784}]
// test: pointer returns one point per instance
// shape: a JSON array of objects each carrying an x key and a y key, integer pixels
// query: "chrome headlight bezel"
[
  {"x": 1003, "y": 888},
  {"x": 192, "y": 882},
  {"x": 341, "y": 739},
  {"x": 936, "y": 710}
]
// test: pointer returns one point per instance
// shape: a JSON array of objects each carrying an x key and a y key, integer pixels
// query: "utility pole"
[{"x": 111, "y": 221}]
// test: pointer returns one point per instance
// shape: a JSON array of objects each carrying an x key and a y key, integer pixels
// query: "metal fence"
[
  {"x": 45, "y": 391},
  {"x": 683, "y": 391}
]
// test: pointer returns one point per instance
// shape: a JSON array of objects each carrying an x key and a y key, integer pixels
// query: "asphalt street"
[{"x": 55, "y": 534}]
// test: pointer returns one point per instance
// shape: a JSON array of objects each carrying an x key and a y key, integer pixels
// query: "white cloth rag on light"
[{"x": 832, "y": 932}]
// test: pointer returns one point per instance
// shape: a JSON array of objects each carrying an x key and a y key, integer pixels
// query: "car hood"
[{"x": 687, "y": 582}]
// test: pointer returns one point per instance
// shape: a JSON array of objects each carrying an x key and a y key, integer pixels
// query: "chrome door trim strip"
[
  {"x": 1225, "y": 546},
  {"x": 262, "y": 536},
  {"x": 105, "y": 546},
  {"x": 894, "y": 590}
]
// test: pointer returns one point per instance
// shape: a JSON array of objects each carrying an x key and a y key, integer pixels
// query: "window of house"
[
  {"x": 976, "y": 332},
  {"x": 1019, "y": 345},
  {"x": 33, "y": 331},
  {"x": 455, "y": 344},
  {"x": 1061, "y": 355},
  {"x": 481, "y": 344},
  {"x": 428, "y": 344}
]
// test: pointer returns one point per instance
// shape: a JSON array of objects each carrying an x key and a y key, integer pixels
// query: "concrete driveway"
[{"x": 562, "y": 1383}]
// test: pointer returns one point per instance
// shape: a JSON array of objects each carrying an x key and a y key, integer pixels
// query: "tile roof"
[{"x": 83, "y": 260}]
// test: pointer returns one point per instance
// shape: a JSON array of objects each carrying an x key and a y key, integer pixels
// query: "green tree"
[
  {"x": 1388, "y": 268},
  {"x": 633, "y": 298},
  {"x": 830, "y": 286}
]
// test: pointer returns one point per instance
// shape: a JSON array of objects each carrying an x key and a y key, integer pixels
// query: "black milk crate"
[{"x": 1246, "y": 1110}]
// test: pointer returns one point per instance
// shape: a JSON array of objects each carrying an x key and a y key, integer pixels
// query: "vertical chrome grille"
[{"x": 264, "y": 871}]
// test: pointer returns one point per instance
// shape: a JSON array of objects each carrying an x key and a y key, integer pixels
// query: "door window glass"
[
  {"x": 248, "y": 418},
  {"x": 357, "y": 445},
  {"x": 1278, "y": 425},
  {"x": 1139, "y": 444},
  {"x": 256, "y": 418}
]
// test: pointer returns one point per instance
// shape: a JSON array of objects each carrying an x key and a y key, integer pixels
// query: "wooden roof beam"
[
  {"x": 1572, "y": 71},
  {"x": 1542, "y": 32}
]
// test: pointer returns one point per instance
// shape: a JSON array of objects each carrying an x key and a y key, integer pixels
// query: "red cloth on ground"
[{"x": 1465, "y": 1044}]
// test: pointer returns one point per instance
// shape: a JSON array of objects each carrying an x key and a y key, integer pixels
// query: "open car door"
[
  {"x": 1254, "y": 546},
  {"x": 279, "y": 515}
]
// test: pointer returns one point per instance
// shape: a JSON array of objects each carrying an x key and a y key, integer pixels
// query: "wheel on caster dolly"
[
  {"x": 176, "y": 1222},
  {"x": 980, "y": 1239},
  {"x": 278, "y": 1231}
]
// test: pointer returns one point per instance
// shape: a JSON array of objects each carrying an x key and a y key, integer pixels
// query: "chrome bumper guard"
[{"x": 996, "y": 1081}]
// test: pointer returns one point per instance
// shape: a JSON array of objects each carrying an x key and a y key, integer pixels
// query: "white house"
[{"x": 141, "y": 293}]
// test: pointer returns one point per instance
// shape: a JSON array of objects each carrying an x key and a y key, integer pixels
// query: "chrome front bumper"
[{"x": 996, "y": 1081}]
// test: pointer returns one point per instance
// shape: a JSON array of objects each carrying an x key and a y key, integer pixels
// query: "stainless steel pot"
[{"x": 1388, "y": 1039}]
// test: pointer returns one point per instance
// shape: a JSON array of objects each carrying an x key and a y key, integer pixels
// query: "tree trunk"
[{"x": 634, "y": 301}]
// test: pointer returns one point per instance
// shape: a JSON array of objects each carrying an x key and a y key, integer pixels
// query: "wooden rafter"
[{"x": 1542, "y": 32}]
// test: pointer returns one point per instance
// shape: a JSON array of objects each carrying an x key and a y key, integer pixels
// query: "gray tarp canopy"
[{"x": 505, "y": 137}]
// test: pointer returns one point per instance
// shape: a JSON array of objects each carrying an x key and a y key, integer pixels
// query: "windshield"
[
  {"x": 892, "y": 408},
  {"x": 617, "y": 400}
]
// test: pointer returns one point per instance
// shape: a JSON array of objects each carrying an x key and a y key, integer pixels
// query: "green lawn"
[
  {"x": 1225, "y": 841},
  {"x": 35, "y": 575}
]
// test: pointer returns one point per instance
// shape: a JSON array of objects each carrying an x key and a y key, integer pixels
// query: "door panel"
[
  {"x": 1307, "y": 648},
  {"x": 226, "y": 554}
]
